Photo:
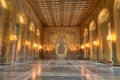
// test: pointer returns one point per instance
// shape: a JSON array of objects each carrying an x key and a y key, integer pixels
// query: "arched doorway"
[
  {"x": 104, "y": 34},
  {"x": 117, "y": 29},
  {"x": 93, "y": 40}
]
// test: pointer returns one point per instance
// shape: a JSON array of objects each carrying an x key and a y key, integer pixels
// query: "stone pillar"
[
  {"x": 32, "y": 44},
  {"x": 5, "y": 56},
  {"x": 103, "y": 43},
  {"x": 38, "y": 42},
  {"x": 93, "y": 45},
  {"x": 27, "y": 43},
  {"x": 21, "y": 52},
  {"x": 30, "y": 33},
  {"x": 110, "y": 43},
  {"x": 100, "y": 43},
  {"x": 117, "y": 28},
  {"x": 85, "y": 53}
]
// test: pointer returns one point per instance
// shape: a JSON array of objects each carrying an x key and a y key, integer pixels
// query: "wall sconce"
[
  {"x": 74, "y": 49},
  {"x": 32, "y": 27},
  {"x": 27, "y": 43},
  {"x": 109, "y": 37},
  {"x": 13, "y": 37},
  {"x": 38, "y": 32},
  {"x": 82, "y": 47},
  {"x": 39, "y": 47},
  {"x": 113, "y": 37},
  {"x": 87, "y": 45},
  {"x": 21, "y": 19},
  {"x": 35, "y": 45},
  {"x": 4, "y": 4},
  {"x": 95, "y": 43}
]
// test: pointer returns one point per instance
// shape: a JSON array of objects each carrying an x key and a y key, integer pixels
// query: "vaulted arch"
[
  {"x": 93, "y": 40},
  {"x": 104, "y": 29}
]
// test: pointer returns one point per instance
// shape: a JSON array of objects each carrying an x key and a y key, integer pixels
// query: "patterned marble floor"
[{"x": 59, "y": 70}]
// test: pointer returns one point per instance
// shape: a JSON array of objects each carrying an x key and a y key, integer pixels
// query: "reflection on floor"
[{"x": 59, "y": 70}]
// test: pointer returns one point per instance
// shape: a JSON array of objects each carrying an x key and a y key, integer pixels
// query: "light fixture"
[
  {"x": 74, "y": 49},
  {"x": 82, "y": 47},
  {"x": 35, "y": 45},
  {"x": 4, "y": 4},
  {"x": 39, "y": 47},
  {"x": 109, "y": 37},
  {"x": 21, "y": 19},
  {"x": 87, "y": 45},
  {"x": 113, "y": 37},
  {"x": 96, "y": 43},
  {"x": 32, "y": 27},
  {"x": 13, "y": 37},
  {"x": 27, "y": 43},
  {"x": 38, "y": 32}
]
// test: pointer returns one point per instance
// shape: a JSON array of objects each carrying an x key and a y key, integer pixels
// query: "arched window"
[
  {"x": 104, "y": 28},
  {"x": 32, "y": 27},
  {"x": 38, "y": 32},
  {"x": 93, "y": 40},
  {"x": 92, "y": 31}
]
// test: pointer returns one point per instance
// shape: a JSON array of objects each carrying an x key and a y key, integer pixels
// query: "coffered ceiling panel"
[{"x": 63, "y": 13}]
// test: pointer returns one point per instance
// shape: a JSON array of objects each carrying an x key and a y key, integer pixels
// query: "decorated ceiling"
[{"x": 61, "y": 13}]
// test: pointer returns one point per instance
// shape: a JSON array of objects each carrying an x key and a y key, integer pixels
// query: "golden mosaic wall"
[
  {"x": 19, "y": 40},
  {"x": 68, "y": 36}
]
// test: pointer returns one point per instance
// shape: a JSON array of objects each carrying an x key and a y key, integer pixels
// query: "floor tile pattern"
[{"x": 59, "y": 70}]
